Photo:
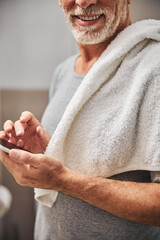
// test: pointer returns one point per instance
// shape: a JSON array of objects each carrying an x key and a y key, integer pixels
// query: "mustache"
[{"x": 90, "y": 10}]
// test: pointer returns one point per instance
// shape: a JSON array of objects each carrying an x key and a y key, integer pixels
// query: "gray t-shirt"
[{"x": 70, "y": 218}]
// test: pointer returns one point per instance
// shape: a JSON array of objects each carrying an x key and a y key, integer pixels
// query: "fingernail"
[
  {"x": 22, "y": 118},
  {"x": 14, "y": 154},
  {"x": 19, "y": 133},
  {"x": 8, "y": 129}
]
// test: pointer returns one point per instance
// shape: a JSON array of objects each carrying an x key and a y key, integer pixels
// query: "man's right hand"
[{"x": 27, "y": 133}]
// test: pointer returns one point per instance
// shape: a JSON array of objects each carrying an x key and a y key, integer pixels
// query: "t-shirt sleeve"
[
  {"x": 59, "y": 74},
  {"x": 54, "y": 81}
]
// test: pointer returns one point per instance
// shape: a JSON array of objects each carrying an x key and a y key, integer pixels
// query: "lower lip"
[{"x": 87, "y": 23}]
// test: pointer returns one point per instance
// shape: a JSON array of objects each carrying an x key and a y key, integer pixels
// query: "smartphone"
[{"x": 6, "y": 146}]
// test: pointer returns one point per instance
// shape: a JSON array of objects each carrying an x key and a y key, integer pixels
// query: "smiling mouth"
[{"x": 89, "y": 18}]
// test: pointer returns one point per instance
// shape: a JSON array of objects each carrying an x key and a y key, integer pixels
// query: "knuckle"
[
  {"x": 26, "y": 156},
  {"x": 22, "y": 157},
  {"x": 42, "y": 158},
  {"x": 27, "y": 113}
]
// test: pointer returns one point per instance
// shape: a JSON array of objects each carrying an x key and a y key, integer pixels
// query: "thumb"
[{"x": 23, "y": 157}]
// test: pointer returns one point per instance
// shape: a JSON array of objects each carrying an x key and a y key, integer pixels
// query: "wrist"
[{"x": 68, "y": 180}]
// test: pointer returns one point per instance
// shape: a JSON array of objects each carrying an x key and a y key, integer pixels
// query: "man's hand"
[
  {"x": 34, "y": 170},
  {"x": 27, "y": 133},
  {"x": 138, "y": 202}
]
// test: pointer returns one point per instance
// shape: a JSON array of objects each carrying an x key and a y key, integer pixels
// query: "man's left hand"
[{"x": 34, "y": 170}]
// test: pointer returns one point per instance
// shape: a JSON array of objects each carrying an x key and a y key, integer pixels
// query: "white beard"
[{"x": 89, "y": 35}]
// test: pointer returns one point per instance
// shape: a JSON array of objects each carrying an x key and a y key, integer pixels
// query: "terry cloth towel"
[
  {"x": 5, "y": 200},
  {"x": 112, "y": 123}
]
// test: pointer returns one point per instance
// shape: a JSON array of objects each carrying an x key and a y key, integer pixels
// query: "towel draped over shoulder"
[{"x": 112, "y": 123}]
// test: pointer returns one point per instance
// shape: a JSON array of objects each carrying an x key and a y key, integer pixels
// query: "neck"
[{"x": 89, "y": 54}]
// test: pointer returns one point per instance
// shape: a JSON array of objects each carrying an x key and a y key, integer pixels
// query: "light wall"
[
  {"x": 34, "y": 38},
  {"x": 145, "y": 9}
]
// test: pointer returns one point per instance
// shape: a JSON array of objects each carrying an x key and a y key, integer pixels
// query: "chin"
[{"x": 88, "y": 38}]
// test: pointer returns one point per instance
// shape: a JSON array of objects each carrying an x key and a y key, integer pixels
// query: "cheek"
[
  {"x": 67, "y": 4},
  {"x": 108, "y": 2}
]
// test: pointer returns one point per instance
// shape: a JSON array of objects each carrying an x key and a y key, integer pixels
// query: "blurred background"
[{"x": 34, "y": 39}]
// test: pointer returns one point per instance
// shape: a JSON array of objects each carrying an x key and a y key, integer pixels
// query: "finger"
[
  {"x": 8, "y": 126},
  {"x": 3, "y": 135},
  {"x": 43, "y": 136},
  {"x": 12, "y": 140},
  {"x": 9, "y": 129},
  {"x": 8, "y": 163},
  {"x": 20, "y": 143},
  {"x": 40, "y": 131},
  {"x": 19, "y": 171},
  {"x": 19, "y": 128},
  {"x": 24, "y": 157},
  {"x": 29, "y": 118},
  {"x": 16, "y": 169}
]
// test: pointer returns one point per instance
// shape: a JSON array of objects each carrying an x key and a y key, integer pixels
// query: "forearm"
[{"x": 139, "y": 202}]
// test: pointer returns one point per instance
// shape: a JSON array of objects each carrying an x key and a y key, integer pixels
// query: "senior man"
[{"x": 98, "y": 177}]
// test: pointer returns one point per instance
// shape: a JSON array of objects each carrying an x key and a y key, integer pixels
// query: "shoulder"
[
  {"x": 149, "y": 74},
  {"x": 151, "y": 52},
  {"x": 67, "y": 64},
  {"x": 149, "y": 60},
  {"x": 61, "y": 71}
]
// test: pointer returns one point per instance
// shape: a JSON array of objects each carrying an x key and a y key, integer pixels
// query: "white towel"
[
  {"x": 112, "y": 123},
  {"x": 5, "y": 200}
]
